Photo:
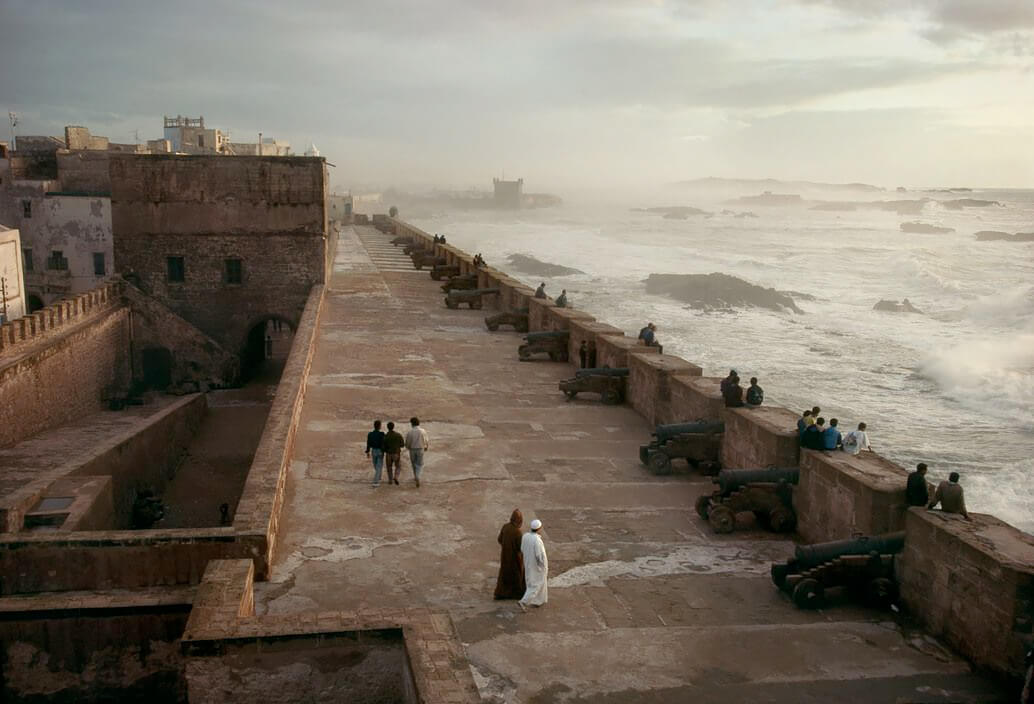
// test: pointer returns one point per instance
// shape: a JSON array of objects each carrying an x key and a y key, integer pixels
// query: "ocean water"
[{"x": 953, "y": 387}]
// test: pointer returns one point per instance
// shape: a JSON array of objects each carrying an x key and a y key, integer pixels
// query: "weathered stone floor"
[{"x": 646, "y": 605}]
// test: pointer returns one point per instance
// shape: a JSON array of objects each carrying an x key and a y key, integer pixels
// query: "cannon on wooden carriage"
[
  {"x": 463, "y": 282},
  {"x": 608, "y": 382},
  {"x": 552, "y": 343},
  {"x": 517, "y": 318},
  {"x": 764, "y": 492},
  {"x": 698, "y": 443},
  {"x": 415, "y": 246},
  {"x": 440, "y": 271},
  {"x": 864, "y": 566},
  {"x": 426, "y": 258},
  {"x": 402, "y": 240},
  {"x": 472, "y": 297}
]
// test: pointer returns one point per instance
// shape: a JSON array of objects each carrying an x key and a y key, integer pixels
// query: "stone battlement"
[{"x": 21, "y": 335}]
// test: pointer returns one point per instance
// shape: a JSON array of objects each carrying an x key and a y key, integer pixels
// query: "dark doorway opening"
[
  {"x": 34, "y": 303},
  {"x": 157, "y": 367},
  {"x": 266, "y": 349}
]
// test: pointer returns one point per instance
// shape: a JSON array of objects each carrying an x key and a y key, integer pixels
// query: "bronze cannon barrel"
[
  {"x": 808, "y": 556},
  {"x": 665, "y": 432},
  {"x": 729, "y": 480},
  {"x": 602, "y": 371}
]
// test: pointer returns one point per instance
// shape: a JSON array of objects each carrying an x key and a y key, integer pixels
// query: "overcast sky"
[{"x": 562, "y": 92}]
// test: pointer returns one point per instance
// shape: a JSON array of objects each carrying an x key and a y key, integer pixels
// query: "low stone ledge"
[
  {"x": 538, "y": 313},
  {"x": 587, "y": 330},
  {"x": 840, "y": 495},
  {"x": 561, "y": 318},
  {"x": 613, "y": 350},
  {"x": 650, "y": 378},
  {"x": 971, "y": 583},
  {"x": 513, "y": 295},
  {"x": 764, "y": 436},
  {"x": 696, "y": 398}
]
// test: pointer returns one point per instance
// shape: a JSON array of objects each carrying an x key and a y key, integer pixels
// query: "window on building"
[
  {"x": 176, "y": 268},
  {"x": 201, "y": 140},
  {"x": 27, "y": 258},
  {"x": 57, "y": 261},
  {"x": 27, "y": 208},
  {"x": 98, "y": 264},
  {"x": 234, "y": 271}
]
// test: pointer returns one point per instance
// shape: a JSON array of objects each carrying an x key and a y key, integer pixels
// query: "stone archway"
[{"x": 265, "y": 347}]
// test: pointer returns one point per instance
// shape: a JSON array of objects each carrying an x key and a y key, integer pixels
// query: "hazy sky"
[{"x": 561, "y": 92}]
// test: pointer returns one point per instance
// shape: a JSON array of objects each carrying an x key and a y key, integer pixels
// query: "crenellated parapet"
[{"x": 18, "y": 336}]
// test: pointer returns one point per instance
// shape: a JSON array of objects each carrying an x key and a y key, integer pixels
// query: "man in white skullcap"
[{"x": 536, "y": 567}]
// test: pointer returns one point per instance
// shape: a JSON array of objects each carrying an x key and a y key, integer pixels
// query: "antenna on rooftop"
[
  {"x": 14, "y": 123},
  {"x": 136, "y": 136}
]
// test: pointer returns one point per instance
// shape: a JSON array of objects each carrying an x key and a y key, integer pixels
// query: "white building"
[{"x": 12, "y": 282}]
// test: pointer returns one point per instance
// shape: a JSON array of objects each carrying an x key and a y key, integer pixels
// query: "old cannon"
[
  {"x": 517, "y": 318},
  {"x": 461, "y": 283},
  {"x": 401, "y": 240},
  {"x": 426, "y": 258},
  {"x": 472, "y": 297},
  {"x": 863, "y": 565},
  {"x": 414, "y": 246},
  {"x": 438, "y": 271},
  {"x": 698, "y": 443},
  {"x": 608, "y": 382},
  {"x": 764, "y": 492},
  {"x": 552, "y": 343}
]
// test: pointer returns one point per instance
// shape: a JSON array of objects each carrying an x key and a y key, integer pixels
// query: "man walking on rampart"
[
  {"x": 416, "y": 441},
  {"x": 536, "y": 568},
  {"x": 393, "y": 444},
  {"x": 375, "y": 451}
]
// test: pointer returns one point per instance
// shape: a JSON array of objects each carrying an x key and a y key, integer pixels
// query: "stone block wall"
[
  {"x": 760, "y": 437},
  {"x": 650, "y": 380},
  {"x": 538, "y": 312},
  {"x": 66, "y": 377},
  {"x": 587, "y": 329},
  {"x": 972, "y": 584},
  {"x": 613, "y": 350},
  {"x": 696, "y": 398},
  {"x": 840, "y": 495}
]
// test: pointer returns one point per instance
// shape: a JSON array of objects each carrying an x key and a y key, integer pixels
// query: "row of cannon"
[{"x": 862, "y": 567}]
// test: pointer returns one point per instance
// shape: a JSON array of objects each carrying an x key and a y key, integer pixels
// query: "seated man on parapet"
[
  {"x": 561, "y": 300},
  {"x": 732, "y": 392},
  {"x": 649, "y": 337},
  {"x": 540, "y": 292},
  {"x": 755, "y": 394},
  {"x": 950, "y": 495}
]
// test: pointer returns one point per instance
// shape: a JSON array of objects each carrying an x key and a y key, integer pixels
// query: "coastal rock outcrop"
[
  {"x": 531, "y": 265},
  {"x": 718, "y": 291},
  {"x": 672, "y": 212},
  {"x": 990, "y": 235},
  {"x": 770, "y": 199},
  {"x": 961, "y": 203},
  {"x": 923, "y": 228},
  {"x": 894, "y": 307}
]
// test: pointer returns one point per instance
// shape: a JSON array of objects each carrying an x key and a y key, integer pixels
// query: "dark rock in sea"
[
  {"x": 835, "y": 207},
  {"x": 675, "y": 216},
  {"x": 961, "y": 203},
  {"x": 901, "y": 207},
  {"x": 799, "y": 296},
  {"x": 770, "y": 199},
  {"x": 989, "y": 235},
  {"x": 745, "y": 214},
  {"x": 901, "y": 189},
  {"x": 894, "y": 307},
  {"x": 672, "y": 212},
  {"x": 531, "y": 265},
  {"x": 718, "y": 291},
  {"x": 923, "y": 228}
]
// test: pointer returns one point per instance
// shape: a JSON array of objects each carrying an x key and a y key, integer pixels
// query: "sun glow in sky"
[{"x": 605, "y": 93}]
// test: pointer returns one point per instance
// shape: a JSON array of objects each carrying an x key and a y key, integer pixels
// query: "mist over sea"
[{"x": 953, "y": 387}]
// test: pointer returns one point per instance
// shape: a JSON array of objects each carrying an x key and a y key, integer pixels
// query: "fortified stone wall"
[
  {"x": 982, "y": 573},
  {"x": 84, "y": 172},
  {"x": 179, "y": 220},
  {"x": 60, "y": 362}
]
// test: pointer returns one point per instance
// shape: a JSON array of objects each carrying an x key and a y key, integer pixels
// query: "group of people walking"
[
  {"x": 387, "y": 447},
  {"x": 523, "y": 565}
]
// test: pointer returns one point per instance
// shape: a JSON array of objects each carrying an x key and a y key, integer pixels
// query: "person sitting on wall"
[
  {"x": 540, "y": 292},
  {"x": 802, "y": 423},
  {"x": 755, "y": 394},
  {"x": 649, "y": 337},
  {"x": 916, "y": 491},
  {"x": 857, "y": 440},
  {"x": 441, "y": 240},
  {"x": 815, "y": 410},
  {"x": 561, "y": 300},
  {"x": 812, "y": 438},
  {"x": 435, "y": 240},
  {"x": 831, "y": 439},
  {"x": 479, "y": 261},
  {"x": 733, "y": 393},
  {"x": 727, "y": 381},
  {"x": 950, "y": 496}
]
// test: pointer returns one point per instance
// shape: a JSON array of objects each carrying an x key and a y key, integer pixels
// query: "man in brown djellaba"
[{"x": 510, "y": 583}]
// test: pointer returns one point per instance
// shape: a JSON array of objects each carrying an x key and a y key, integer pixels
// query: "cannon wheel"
[
  {"x": 659, "y": 463},
  {"x": 450, "y": 304},
  {"x": 881, "y": 592},
  {"x": 703, "y": 506},
  {"x": 781, "y": 520},
  {"x": 570, "y": 394},
  {"x": 610, "y": 397},
  {"x": 722, "y": 519},
  {"x": 780, "y": 570},
  {"x": 523, "y": 352},
  {"x": 808, "y": 594}
]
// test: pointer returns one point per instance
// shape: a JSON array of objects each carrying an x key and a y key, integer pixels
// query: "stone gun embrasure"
[
  {"x": 471, "y": 297},
  {"x": 517, "y": 318},
  {"x": 608, "y": 382},
  {"x": 553, "y": 343},
  {"x": 864, "y": 565},
  {"x": 698, "y": 443},
  {"x": 764, "y": 492}
]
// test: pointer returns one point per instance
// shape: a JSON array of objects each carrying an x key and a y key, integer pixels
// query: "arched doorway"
[
  {"x": 33, "y": 303},
  {"x": 266, "y": 348}
]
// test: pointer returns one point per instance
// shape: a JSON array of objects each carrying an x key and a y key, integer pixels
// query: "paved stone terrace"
[{"x": 646, "y": 605}]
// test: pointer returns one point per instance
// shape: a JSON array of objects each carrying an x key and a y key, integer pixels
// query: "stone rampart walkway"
[{"x": 646, "y": 604}]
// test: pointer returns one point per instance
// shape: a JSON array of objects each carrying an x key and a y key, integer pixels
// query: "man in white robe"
[{"x": 536, "y": 567}]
